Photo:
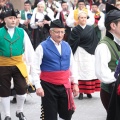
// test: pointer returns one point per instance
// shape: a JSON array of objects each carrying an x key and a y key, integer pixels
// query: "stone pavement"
[{"x": 87, "y": 109}]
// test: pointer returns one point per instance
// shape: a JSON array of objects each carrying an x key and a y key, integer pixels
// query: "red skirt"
[{"x": 88, "y": 86}]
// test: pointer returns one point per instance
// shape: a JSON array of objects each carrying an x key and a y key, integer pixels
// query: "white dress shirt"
[{"x": 102, "y": 58}]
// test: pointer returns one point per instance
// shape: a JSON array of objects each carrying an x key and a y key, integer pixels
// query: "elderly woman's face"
[
  {"x": 82, "y": 19},
  {"x": 40, "y": 8}
]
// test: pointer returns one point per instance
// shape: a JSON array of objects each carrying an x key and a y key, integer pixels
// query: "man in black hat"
[
  {"x": 114, "y": 104},
  {"x": 107, "y": 54},
  {"x": 18, "y": 24},
  {"x": 15, "y": 43},
  {"x": 54, "y": 61}
]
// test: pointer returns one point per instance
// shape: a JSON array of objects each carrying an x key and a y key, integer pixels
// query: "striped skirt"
[{"x": 88, "y": 86}]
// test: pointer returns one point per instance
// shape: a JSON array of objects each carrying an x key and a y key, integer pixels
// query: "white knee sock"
[
  {"x": 6, "y": 105},
  {"x": 20, "y": 102}
]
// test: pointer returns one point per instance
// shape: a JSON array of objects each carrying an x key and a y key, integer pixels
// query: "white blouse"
[{"x": 39, "y": 16}]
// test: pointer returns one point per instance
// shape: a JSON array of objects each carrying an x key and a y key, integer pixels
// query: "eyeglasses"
[{"x": 58, "y": 32}]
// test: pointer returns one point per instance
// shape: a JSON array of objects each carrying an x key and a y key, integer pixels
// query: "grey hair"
[
  {"x": 51, "y": 29},
  {"x": 81, "y": 13}
]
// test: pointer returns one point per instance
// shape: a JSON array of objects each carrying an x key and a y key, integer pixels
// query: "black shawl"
[{"x": 85, "y": 38}]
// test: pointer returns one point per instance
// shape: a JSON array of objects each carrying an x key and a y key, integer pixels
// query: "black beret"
[
  {"x": 56, "y": 24},
  {"x": 112, "y": 13}
]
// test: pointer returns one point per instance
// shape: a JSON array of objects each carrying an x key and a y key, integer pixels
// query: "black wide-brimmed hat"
[
  {"x": 9, "y": 12},
  {"x": 56, "y": 24}
]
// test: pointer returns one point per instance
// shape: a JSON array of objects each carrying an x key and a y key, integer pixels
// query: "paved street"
[{"x": 87, "y": 109}]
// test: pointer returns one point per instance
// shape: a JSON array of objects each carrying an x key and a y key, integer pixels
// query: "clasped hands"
[{"x": 41, "y": 24}]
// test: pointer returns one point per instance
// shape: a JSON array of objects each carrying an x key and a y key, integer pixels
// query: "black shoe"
[
  {"x": 7, "y": 118},
  {"x": 80, "y": 96},
  {"x": 20, "y": 116},
  {"x": 89, "y": 95},
  {"x": 13, "y": 100}
]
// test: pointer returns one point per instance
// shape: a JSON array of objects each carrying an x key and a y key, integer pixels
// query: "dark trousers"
[
  {"x": 6, "y": 74},
  {"x": 105, "y": 98},
  {"x": 55, "y": 102},
  {"x": 114, "y": 105}
]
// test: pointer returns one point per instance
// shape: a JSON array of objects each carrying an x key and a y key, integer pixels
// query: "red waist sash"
[{"x": 60, "y": 78}]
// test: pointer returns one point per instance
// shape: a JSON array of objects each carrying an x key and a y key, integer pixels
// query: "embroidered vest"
[
  {"x": 23, "y": 15},
  {"x": 11, "y": 46},
  {"x": 112, "y": 64}
]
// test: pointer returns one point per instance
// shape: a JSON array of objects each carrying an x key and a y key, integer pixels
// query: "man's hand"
[
  {"x": 40, "y": 92},
  {"x": 75, "y": 90}
]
